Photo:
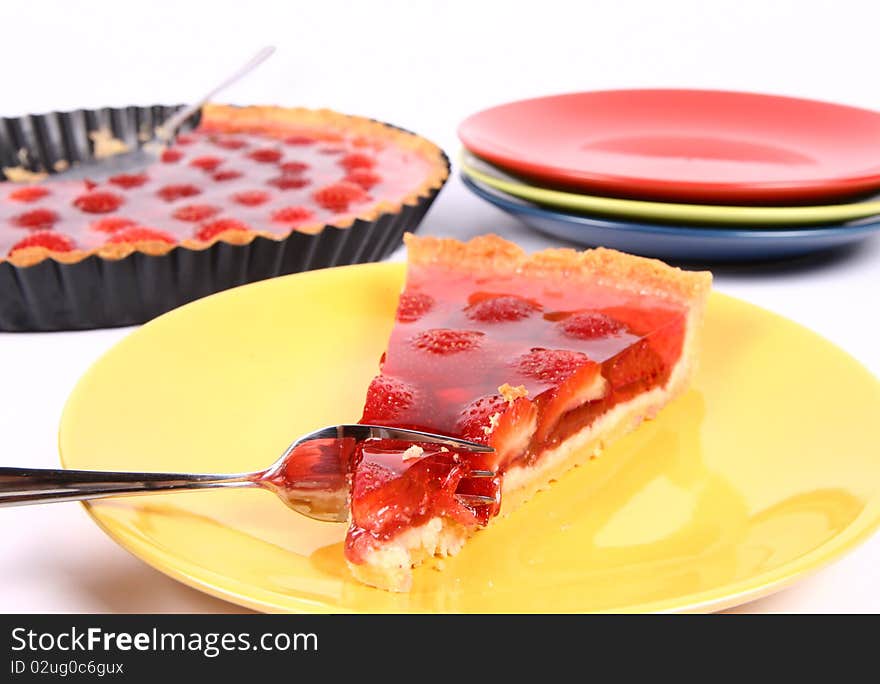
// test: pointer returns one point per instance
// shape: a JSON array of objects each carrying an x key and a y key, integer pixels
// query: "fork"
[
  {"x": 311, "y": 476},
  {"x": 141, "y": 156}
]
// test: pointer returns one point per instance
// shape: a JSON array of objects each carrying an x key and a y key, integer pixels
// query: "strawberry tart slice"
[{"x": 547, "y": 358}]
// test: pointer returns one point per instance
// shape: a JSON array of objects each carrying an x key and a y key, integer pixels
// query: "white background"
[{"x": 424, "y": 66}]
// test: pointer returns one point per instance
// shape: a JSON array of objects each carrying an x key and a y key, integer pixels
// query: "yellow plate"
[
  {"x": 717, "y": 215},
  {"x": 768, "y": 468}
]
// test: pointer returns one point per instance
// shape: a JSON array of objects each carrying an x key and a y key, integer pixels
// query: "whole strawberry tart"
[
  {"x": 244, "y": 172},
  {"x": 250, "y": 193}
]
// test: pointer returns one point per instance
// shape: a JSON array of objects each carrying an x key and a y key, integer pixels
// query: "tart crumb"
[
  {"x": 19, "y": 174},
  {"x": 415, "y": 451},
  {"x": 153, "y": 147},
  {"x": 493, "y": 423},
  {"x": 511, "y": 394},
  {"x": 105, "y": 145}
]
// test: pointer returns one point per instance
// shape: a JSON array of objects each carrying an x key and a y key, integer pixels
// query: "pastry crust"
[
  {"x": 391, "y": 566},
  {"x": 607, "y": 267},
  {"x": 281, "y": 122}
]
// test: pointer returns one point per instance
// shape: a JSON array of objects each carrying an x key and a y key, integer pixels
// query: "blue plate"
[{"x": 691, "y": 243}]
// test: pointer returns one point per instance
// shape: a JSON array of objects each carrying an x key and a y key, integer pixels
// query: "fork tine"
[
  {"x": 362, "y": 432},
  {"x": 383, "y": 432},
  {"x": 476, "y": 499}
]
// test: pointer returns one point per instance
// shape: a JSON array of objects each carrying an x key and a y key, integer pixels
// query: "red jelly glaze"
[
  {"x": 390, "y": 493},
  {"x": 459, "y": 337},
  {"x": 249, "y": 177}
]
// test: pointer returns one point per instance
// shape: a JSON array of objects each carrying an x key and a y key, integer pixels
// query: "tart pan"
[{"x": 98, "y": 293}]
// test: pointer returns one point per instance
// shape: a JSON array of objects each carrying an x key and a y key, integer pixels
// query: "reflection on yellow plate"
[{"x": 766, "y": 469}]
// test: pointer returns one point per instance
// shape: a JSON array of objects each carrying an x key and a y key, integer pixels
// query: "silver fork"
[
  {"x": 312, "y": 475},
  {"x": 142, "y": 156}
]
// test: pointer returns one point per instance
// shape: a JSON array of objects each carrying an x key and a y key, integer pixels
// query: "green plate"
[{"x": 754, "y": 217}]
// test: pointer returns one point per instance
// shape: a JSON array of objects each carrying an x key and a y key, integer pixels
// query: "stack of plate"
[{"x": 681, "y": 174}]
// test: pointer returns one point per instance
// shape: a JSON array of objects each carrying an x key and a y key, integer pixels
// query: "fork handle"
[
  {"x": 169, "y": 128},
  {"x": 23, "y": 486}
]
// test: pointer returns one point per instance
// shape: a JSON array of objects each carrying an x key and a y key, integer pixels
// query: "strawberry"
[
  {"x": 413, "y": 305},
  {"x": 206, "y": 163},
  {"x": 338, "y": 196},
  {"x": 387, "y": 399},
  {"x": 228, "y": 143},
  {"x": 266, "y": 155},
  {"x": 642, "y": 321},
  {"x": 129, "y": 180},
  {"x": 590, "y": 325},
  {"x": 54, "y": 242},
  {"x": 226, "y": 175},
  {"x": 184, "y": 139},
  {"x": 475, "y": 419},
  {"x": 550, "y": 366},
  {"x": 369, "y": 477},
  {"x": 299, "y": 140},
  {"x": 637, "y": 366},
  {"x": 386, "y": 499},
  {"x": 363, "y": 177},
  {"x": 169, "y": 193},
  {"x": 111, "y": 224},
  {"x": 28, "y": 193},
  {"x": 295, "y": 214},
  {"x": 171, "y": 156},
  {"x": 664, "y": 328},
  {"x": 141, "y": 234},
  {"x": 507, "y": 426},
  {"x": 251, "y": 198},
  {"x": 36, "y": 219},
  {"x": 211, "y": 230},
  {"x": 357, "y": 160},
  {"x": 583, "y": 384},
  {"x": 195, "y": 212},
  {"x": 99, "y": 202},
  {"x": 512, "y": 432},
  {"x": 288, "y": 181},
  {"x": 500, "y": 309},
  {"x": 294, "y": 167},
  {"x": 444, "y": 341}
]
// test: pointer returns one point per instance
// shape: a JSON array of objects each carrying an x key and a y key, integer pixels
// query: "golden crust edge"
[{"x": 491, "y": 252}]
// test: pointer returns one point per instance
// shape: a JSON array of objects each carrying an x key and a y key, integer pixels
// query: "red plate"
[{"x": 685, "y": 145}]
